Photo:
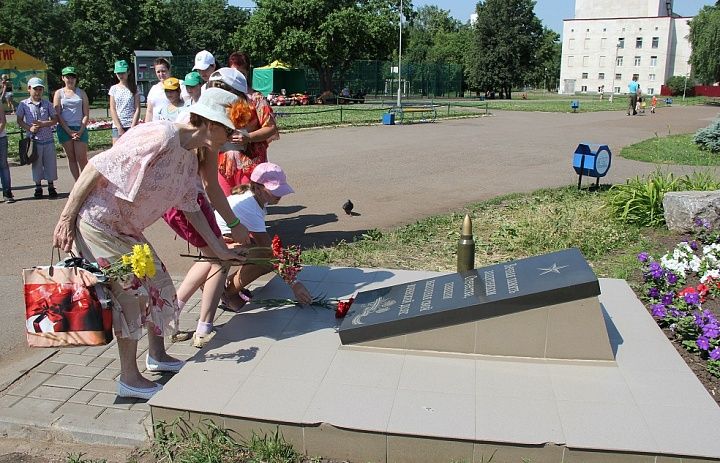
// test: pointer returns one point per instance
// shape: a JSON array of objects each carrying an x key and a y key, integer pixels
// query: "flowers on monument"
[
  {"x": 689, "y": 311},
  {"x": 343, "y": 307}
]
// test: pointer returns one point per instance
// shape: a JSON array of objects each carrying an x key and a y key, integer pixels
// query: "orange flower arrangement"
[{"x": 240, "y": 113}]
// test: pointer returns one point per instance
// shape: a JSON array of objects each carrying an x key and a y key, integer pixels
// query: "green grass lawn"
[
  {"x": 673, "y": 149},
  {"x": 99, "y": 139},
  {"x": 505, "y": 228}
]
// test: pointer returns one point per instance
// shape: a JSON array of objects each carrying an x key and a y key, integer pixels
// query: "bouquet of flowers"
[
  {"x": 131, "y": 267},
  {"x": 286, "y": 260}
]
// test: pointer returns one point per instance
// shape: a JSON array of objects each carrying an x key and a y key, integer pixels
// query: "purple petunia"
[
  {"x": 703, "y": 343},
  {"x": 658, "y": 311},
  {"x": 668, "y": 298},
  {"x": 643, "y": 257},
  {"x": 654, "y": 293},
  {"x": 672, "y": 278},
  {"x": 692, "y": 298},
  {"x": 715, "y": 354},
  {"x": 694, "y": 245},
  {"x": 675, "y": 313},
  {"x": 711, "y": 330}
]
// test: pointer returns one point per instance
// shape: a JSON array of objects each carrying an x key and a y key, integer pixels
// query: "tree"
[
  {"x": 326, "y": 35},
  {"x": 507, "y": 35},
  {"x": 705, "y": 41},
  {"x": 205, "y": 25},
  {"x": 429, "y": 28},
  {"x": 546, "y": 72},
  {"x": 19, "y": 20}
]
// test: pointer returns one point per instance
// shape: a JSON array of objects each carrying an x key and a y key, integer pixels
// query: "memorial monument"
[{"x": 540, "y": 307}]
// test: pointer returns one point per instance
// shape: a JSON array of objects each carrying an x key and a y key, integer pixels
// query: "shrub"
[
  {"x": 678, "y": 85},
  {"x": 708, "y": 139},
  {"x": 639, "y": 200}
]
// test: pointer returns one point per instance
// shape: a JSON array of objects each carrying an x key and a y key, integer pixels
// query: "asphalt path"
[{"x": 393, "y": 174}]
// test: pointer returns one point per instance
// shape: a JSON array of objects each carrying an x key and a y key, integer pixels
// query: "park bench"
[{"x": 414, "y": 113}]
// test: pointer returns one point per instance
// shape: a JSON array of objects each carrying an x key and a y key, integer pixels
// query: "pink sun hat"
[{"x": 272, "y": 177}]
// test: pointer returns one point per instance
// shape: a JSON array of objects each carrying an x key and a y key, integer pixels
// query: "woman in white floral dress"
[{"x": 124, "y": 190}]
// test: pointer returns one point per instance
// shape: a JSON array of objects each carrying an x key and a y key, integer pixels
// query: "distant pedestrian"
[
  {"x": 73, "y": 114},
  {"x": 601, "y": 91},
  {"x": 4, "y": 167},
  {"x": 6, "y": 92},
  {"x": 124, "y": 101},
  {"x": 37, "y": 117},
  {"x": 633, "y": 88},
  {"x": 653, "y": 104}
]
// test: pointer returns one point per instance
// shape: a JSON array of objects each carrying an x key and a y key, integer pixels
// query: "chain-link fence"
[{"x": 377, "y": 78}]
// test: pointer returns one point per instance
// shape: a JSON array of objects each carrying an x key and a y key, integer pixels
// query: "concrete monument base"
[{"x": 285, "y": 369}]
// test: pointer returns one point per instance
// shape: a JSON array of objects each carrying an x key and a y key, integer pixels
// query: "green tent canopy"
[{"x": 277, "y": 76}]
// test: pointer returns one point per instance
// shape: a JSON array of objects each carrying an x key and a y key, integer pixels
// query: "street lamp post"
[
  {"x": 685, "y": 86},
  {"x": 400, "y": 59},
  {"x": 612, "y": 90}
]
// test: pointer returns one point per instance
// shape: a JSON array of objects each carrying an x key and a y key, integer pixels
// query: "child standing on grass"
[{"x": 653, "y": 104}]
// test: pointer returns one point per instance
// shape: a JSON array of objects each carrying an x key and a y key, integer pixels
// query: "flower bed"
[{"x": 682, "y": 290}]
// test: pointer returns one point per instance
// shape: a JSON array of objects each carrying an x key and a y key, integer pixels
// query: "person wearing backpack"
[{"x": 37, "y": 117}]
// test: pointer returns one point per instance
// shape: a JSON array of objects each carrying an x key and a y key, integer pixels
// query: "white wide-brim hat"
[{"x": 213, "y": 105}]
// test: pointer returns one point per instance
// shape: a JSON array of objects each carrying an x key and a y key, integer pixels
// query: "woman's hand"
[
  {"x": 302, "y": 295},
  {"x": 64, "y": 234},
  {"x": 237, "y": 255}
]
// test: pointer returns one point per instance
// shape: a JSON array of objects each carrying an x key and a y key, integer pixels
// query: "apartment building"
[{"x": 610, "y": 41}]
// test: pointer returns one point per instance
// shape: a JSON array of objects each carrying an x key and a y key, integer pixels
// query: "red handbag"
[{"x": 67, "y": 305}]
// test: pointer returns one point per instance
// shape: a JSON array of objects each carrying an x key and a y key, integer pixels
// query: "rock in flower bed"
[{"x": 682, "y": 290}]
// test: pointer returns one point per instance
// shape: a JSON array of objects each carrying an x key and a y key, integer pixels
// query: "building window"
[
  {"x": 572, "y": 30},
  {"x": 601, "y": 76},
  {"x": 653, "y": 61},
  {"x": 603, "y": 42},
  {"x": 583, "y": 88},
  {"x": 621, "y": 42},
  {"x": 619, "y": 61},
  {"x": 604, "y": 29},
  {"x": 587, "y": 44},
  {"x": 617, "y": 89},
  {"x": 571, "y": 61},
  {"x": 571, "y": 44},
  {"x": 638, "y": 42},
  {"x": 602, "y": 61},
  {"x": 584, "y": 75},
  {"x": 636, "y": 76},
  {"x": 651, "y": 77},
  {"x": 655, "y": 42},
  {"x": 586, "y": 60},
  {"x": 651, "y": 91},
  {"x": 618, "y": 76},
  {"x": 637, "y": 61}
]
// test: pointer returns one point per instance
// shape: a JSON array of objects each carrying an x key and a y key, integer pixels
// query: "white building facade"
[{"x": 610, "y": 41}]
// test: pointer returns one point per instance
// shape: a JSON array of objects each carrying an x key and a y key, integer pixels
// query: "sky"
[{"x": 550, "y": 12}]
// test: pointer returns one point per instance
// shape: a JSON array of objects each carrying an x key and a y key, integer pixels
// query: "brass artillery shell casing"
[{"x": 466, "y": 247}]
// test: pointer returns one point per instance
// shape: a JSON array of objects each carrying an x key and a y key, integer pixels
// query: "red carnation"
[
  {"x": 276, "y": 246},
  {"x": 343, "y": 307}
]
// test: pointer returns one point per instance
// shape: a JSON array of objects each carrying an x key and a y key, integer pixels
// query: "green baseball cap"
[
  {"x": 121, "y": 66},
  {"x": 68, "y": 71},
  {"x": 192, "y": 79}
]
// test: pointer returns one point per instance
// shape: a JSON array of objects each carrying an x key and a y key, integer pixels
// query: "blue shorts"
[
  {"x": 64, "y": 137},
  {"x": 116, "y": 134}
]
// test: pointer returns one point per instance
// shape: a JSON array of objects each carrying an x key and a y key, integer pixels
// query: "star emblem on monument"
[{"x": 553, "y": 269}]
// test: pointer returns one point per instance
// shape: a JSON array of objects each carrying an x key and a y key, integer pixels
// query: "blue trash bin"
[{"x": 388, "y": 119}]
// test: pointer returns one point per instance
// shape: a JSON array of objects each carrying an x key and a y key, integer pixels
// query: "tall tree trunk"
[
  {"x": 508, "y": 92},
  {"x": 325, "y": 75}
]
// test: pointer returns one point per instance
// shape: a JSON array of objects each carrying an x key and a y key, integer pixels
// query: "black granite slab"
[{"x": 465, "y": 297}]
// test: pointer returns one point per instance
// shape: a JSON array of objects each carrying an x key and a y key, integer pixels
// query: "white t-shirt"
[
  {"x": 157, "y": 97},
  {"x": 247, "y": 209}
]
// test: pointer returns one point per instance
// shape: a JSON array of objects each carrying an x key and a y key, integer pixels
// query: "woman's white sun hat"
[{"x": 213, "y": 105}]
